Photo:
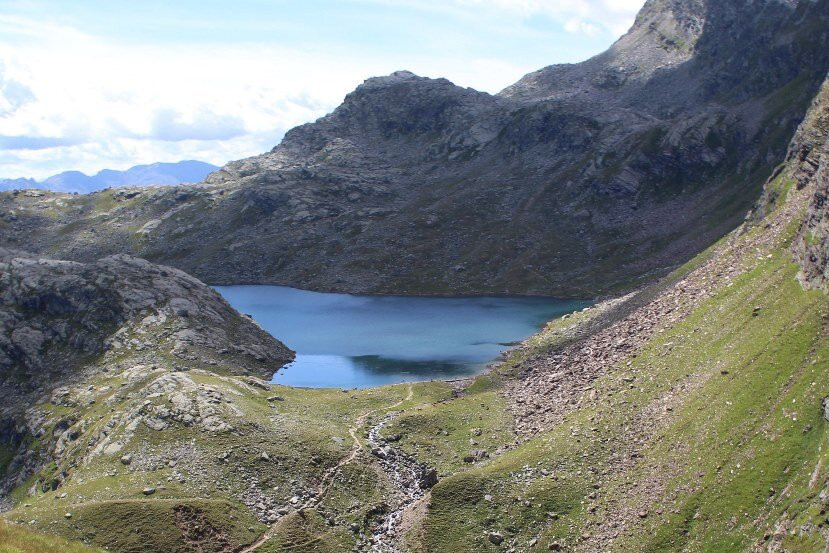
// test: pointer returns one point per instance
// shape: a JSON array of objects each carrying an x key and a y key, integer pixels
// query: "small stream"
[{"x": 411, "y": 480}]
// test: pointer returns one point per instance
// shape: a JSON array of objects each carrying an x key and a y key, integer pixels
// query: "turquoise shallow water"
[{"x": 348, "y": 341}]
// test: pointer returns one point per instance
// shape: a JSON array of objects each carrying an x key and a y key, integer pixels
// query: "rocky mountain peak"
[
  {"x": 394, "y": 78},
  {"x": 668, "y": 40},
  {"x": 577, "y": 179},
  {"x": 685, "y": 17},
  {"x": 663, "y": 35}
]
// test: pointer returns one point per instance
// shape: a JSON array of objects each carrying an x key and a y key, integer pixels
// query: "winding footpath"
[{"x": 380, "y": 538}]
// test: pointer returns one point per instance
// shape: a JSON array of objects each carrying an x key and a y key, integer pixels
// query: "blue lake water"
[{"x": 347, "y": 341}]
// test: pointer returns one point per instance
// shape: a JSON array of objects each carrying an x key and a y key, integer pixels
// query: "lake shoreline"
[{"x": 346, "y": 341}]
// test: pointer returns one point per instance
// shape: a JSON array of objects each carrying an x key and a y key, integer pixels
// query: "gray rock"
[
  {"x": 53, "y": 313},
  {"x": 428, "y": 478},
  {"x": 616, "y": 162},
  {"x": 809, "y": 157},
  {"x": 628, "y": 152}
]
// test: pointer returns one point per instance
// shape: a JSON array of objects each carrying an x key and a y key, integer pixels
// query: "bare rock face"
[
  {"x": 576, "y": 180},
  {"x": 810, "y": 157},
  {"x": 53, "y": 314}
]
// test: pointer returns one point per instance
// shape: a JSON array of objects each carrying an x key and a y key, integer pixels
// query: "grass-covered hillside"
[
  {"x": 689, "y": 415},
  {"x": 17, "y": 539}
]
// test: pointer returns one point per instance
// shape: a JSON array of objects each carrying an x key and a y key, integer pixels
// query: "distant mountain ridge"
[{"x": 140, "y": 175}]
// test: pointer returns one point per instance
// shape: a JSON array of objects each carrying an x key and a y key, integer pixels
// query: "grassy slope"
[
  {"x": 709, "y": 439},
  {"x": 747, "y": 435},
  {"x": 16, "y": 539},
  {"x": 303, "y": 434},
  {"x": 441, "y": 434}
]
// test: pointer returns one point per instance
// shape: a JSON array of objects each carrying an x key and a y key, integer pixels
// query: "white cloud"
[
  {"x": 576, "y": 25},
  {"x": 71, "y": 100},
  {"x": 13, "y": 94},
  {"x": 129, "y": 102},
  {"x": 170, "y": 125},
  {"x": 578, "y": 16}
]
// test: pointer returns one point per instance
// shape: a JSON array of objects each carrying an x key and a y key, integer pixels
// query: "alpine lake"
[{"x": 350, "y": 341}]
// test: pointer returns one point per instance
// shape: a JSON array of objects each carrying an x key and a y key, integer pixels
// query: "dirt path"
[{"x": 328, "y": 477}]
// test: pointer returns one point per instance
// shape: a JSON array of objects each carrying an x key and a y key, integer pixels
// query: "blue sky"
[{"x": 109, "y": 84}]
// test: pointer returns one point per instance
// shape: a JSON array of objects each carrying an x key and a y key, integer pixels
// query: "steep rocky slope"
[
  {"x": 576, "y": 180},
  {"x": 56, "y": 313},
  {"x": 811, "y": 154}
]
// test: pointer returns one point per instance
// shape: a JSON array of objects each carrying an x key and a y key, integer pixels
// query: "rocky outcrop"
[
  {"x": 809, "y": 157},
  {"x": 576, "y": 180},
  {"x": 54, "y": 315},
  {"x": 136, "y": 338}
]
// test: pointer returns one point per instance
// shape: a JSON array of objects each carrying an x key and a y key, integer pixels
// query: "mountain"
[
  {"x": 140, "y": 175},
  {"x": 690, "y": 415},
  {"x": 575, "y": 181}
]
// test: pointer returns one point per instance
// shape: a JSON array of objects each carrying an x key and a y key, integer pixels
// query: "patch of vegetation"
[
  {"x": 17, "y": 539},
  {"x": 7, "y": 453},
  {"x": 443, "y": 434},
  {"x": 154, "y": 524},
  {"x": 733, "y": 394},
  {"x": 307, "y": 532}
]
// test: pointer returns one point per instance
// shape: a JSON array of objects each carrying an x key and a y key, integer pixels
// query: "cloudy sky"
[{"x": 89, "y": 85}]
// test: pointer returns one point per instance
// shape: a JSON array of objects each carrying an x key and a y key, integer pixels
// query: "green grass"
[
  {"x": 308, "y": 532},
  {"x": 759, "y": 426},
  {"x": 751, "y": 390},
  {"x": 17, "y": 539},
  {"x": 154, "y": 524},
  {"x": 442, "y": 434}
]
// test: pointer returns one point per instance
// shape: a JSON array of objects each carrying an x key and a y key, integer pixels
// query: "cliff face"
[
  {"x": 577, "y": 180},
  {"x": 810, "y": 158}
]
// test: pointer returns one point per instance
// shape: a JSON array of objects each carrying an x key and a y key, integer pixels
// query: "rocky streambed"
[{"x": 411, "y": 480}]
